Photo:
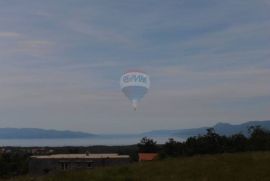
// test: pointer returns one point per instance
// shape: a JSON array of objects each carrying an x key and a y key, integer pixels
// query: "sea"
[{"x": 78, "y": 141}]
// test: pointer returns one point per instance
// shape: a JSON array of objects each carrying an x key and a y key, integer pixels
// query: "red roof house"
[{"x": 147, "y": 156}]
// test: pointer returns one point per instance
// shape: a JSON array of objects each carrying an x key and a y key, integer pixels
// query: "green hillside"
[{"x": 241, "y": 166}]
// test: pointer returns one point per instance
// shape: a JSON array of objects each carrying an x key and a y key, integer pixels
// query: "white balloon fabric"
[{"x": 135, "y": 85}]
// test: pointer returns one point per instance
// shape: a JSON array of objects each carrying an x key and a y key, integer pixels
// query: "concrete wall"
[{"x": 44, "y": 166}]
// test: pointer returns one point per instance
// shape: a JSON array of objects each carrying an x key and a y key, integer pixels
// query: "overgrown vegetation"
[
  {"x": 213, "y": 143},
  {"x": 222, "y": 167},
  {"x": 15, "y": 163}
]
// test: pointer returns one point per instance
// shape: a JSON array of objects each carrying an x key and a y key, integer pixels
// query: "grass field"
[{"x": 229, "y": 167}]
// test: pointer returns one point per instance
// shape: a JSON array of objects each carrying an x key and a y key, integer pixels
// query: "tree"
[
  {"x": 237, "y": 142},
  {"x": 259, "y": 138},
  {"x": 172, "y": 148},
  {"x": 147, "y": 145},
  {"x": 205, "y": 144}
]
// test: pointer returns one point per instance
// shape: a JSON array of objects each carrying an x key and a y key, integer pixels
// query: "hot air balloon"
[{"x": 135, "y": 85}]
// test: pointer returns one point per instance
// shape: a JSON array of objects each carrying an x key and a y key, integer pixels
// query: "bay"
[{"x": 78, "y": 141}]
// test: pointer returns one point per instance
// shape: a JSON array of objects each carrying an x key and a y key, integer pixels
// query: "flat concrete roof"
[{"x": 80, "y": 156}]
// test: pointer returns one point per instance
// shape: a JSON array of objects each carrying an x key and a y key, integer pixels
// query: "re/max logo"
[{"x": 134, "y": 78}]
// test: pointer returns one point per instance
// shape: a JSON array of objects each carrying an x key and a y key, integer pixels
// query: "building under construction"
[{"x": 58, "y": 162}]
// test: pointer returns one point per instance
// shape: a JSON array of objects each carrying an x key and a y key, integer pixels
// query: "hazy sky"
[{"x": 61, "y": 61}]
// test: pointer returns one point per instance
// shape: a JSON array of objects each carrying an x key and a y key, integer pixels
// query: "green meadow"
[{"x": 237, "y": 166}]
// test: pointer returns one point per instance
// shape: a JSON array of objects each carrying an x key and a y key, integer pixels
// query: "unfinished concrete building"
[{"x": 58, "y": 162}]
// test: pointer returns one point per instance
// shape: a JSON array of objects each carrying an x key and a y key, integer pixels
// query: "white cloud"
[
  {"x": 9, "y": 35},
  {"x": 91, "y": 31},
  {"x": 232, "y": 36}
]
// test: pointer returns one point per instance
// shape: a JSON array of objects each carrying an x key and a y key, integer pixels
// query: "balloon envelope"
[{"x": 135, "y": 85}]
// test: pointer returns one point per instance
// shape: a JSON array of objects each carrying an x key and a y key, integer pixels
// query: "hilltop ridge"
[{"x": 221, "y": 128}]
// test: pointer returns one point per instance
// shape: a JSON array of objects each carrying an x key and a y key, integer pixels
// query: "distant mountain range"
[
  {"x": 220, "y": 128},
  {"x": 35, "y": 133}
]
